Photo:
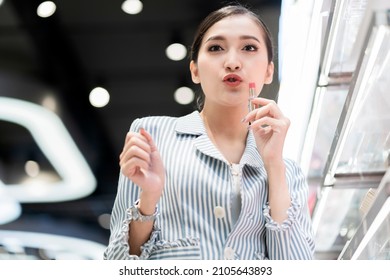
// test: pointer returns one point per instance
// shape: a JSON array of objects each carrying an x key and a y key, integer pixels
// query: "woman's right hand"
[{"x": 140, "y": 161}]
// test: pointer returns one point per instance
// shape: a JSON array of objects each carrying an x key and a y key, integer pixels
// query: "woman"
[{"x": 213, "y": 184}]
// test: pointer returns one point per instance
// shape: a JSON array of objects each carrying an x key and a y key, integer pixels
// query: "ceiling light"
[
  {"x": 184, "y": 95},
  {"x": 104, "y": 220},
  {"x": 132, "y": 7},
  {"x": 1, "y": 2},
  {"x": 176, "y": 51},
  {"x": 46, "y": 9},
  {"x": 50, "y": 103},
  {"x": 32, "y": 168},
  {"x": 99, "y": 97}
]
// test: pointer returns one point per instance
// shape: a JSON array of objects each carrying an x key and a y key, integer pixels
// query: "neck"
[
  {"x": 227, "y": 132},
  {"x": 221, "y": 122}
]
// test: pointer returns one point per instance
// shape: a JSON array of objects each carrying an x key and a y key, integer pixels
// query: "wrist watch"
[{"x": 136, "y": 215}]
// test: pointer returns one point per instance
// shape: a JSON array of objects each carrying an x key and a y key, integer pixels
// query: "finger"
[
  {"x": 269, "y": 108},
  {"x": 132, "y": 134},
  {"x": 135, "y": 139},
  {"x": 263, "y": 130},
  {"x": 149, "y": 138},
  {"x": 131, "y": 167},
  {"x": 268, "y": 124},
  {"x": 129, "y": 135},
  {"x": 258, "y": 114},
  {"x": 135, "y": 152},
  {"x": 260, "y": 101},
  {"x": 265, "y": 122},
  {"x": 262, "y": 112}
]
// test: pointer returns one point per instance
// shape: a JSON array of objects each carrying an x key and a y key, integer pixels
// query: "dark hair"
[{"x": 218, "y": 15}]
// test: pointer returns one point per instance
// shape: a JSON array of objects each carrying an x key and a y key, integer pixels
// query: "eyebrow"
[{"x": 222, "y": 38}]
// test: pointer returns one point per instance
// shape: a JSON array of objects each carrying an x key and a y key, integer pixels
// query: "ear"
[
  {"x": 270, "y": 73},
  {"x": 194, "y": 72}
]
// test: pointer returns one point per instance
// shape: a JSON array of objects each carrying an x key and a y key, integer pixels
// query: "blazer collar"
[{"x": 190, "y": 124}]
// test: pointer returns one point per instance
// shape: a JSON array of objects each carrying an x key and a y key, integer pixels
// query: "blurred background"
[
  {"x": 97, "y": 65},
  {"x": 74, "y": 74}
]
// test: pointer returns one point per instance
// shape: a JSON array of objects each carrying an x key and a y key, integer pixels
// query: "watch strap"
[{"x": 136, "y": 215}]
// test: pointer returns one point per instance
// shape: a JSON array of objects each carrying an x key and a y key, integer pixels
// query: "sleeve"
[
  {"x": 293, "y": 239},
  {"x": 127, "y": 193}
]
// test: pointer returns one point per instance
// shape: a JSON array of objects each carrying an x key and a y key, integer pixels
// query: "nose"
[{"x": 232, "y": 62}]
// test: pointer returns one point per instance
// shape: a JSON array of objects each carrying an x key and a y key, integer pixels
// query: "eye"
[
  {"x": 250, "y": 48},
  {"x": 215, "y": 48}
]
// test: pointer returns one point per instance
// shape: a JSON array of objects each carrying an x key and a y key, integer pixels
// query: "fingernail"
[{"x": 243, "y": 119}]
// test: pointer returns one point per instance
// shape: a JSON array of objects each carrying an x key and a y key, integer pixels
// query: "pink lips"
[{"x": 232, "y": 80}]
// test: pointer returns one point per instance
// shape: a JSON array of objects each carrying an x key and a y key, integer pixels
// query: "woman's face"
[{"x": 233, "y": 54}]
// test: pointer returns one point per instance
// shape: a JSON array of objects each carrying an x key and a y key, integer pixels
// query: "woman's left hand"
[{"x": 269, "y": 127}]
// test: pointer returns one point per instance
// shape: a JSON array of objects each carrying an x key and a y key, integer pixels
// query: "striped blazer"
[{"x": 211, "y": 209}]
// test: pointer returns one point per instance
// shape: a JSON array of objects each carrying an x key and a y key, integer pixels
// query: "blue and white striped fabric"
[{"x": 196, "y": 220}]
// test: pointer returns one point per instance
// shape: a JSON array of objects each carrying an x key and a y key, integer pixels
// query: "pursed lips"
[{"x": 232, "y": 79}]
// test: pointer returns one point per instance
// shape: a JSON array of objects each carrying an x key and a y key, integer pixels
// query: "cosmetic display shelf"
[
  {"x": 350, "y": 125},
  {"x": 361, "y": 146},
  {"x": 372, "y": 238}
]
